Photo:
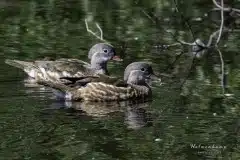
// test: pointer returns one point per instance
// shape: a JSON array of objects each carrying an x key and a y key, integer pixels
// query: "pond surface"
[{"x": 189, "y": 117}]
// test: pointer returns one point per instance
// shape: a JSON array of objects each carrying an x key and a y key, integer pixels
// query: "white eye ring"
[{"x": 105, "y": 50}]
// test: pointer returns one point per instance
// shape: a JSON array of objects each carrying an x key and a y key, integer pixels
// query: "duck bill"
[
  {"x": 155, "y": 78},
  {"x": 116, "y": 58}
]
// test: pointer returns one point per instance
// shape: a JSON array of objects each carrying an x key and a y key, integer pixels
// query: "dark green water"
[{"x": 189, "y": 117}]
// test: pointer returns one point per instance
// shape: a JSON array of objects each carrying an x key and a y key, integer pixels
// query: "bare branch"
[
  {"x": 171, "y": 45},
  {"x": 211, "y": 37},
  {"x": 175, "y": 44},
  {"x": 214, "y": 34},
  {"x": 225, "y": 9},
  {"x": 186, "y": 43},
  {"x": 146, "y": 14},
  {"x": 100, "y": 29},
  {"x": 222, "y": 22},
  {"x": 236, "y": 10},
  {"x": 197, "y": 45},
  {"x": 90, "y": 31},
  {"x": 221, "y": 7}
]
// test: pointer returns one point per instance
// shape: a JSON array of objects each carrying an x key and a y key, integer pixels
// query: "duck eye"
[
  {"x": 143, "y": 69},
  {"x": 105, "y": 50}
]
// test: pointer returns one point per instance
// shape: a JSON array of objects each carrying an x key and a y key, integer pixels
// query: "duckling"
[
  {"x": 137, "y": 76},
  {"x": 49, "y": 70}
]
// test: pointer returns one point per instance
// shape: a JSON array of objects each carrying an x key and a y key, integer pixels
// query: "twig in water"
[
  {"x": 222, "y": 70},
  {"x": 90, "y": 31},
  {"x": 219, "y": 32}
]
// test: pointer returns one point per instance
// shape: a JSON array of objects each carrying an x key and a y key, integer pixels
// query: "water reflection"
[
  {"x": 136, "y": 116},
  {"x": 135, "y": 113}
]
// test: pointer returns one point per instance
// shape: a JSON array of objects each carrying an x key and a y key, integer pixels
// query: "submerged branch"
[
  {"x": 218, "y": 39},
  {"x": 222, "y": 70}
]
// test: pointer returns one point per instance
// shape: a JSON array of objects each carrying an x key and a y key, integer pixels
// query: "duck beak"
[
  {"x": 155, "y": 78},
  {"x": 117, "y": 58}
]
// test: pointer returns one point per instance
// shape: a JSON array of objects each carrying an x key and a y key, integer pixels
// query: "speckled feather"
[
  {"x": 106, "y": 92},
  {"x": 65, "y": 68},
  {"x": 53, "y": 70}
]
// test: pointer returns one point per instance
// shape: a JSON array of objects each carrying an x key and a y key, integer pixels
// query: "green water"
[{"x": 189, "y": 117}]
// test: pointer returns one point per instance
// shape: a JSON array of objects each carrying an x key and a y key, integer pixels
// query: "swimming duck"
[
  {"x": 48, "y": 70},
  {"x": 136, "y": 76}
]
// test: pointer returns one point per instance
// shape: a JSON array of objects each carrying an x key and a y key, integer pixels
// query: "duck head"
[
  {"x": 100, "y": 54},
  {"x": 103, "y": 51},
  {"x": 139, "y": 73}
]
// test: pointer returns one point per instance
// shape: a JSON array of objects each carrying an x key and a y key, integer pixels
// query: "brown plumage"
[
  {"x": 106, "y": 92},
  {"x": 135, "y": 87}
]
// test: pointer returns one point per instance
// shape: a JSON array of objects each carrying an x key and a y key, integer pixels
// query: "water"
[{"x": 189, "y": 117}]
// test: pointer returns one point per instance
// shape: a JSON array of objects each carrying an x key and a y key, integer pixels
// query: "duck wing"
[
  {"x": 65, "y": 67},
  {"x": 83, "y": 80},
  {"x": 53, "y": 70}
]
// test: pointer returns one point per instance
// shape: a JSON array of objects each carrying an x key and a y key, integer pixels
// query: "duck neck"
[
  {"x": 99, "y": 67},
  {"x": 145, "y": 89}
]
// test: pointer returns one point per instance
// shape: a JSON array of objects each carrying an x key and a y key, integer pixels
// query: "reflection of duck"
[
  {"x": 136, "y": 76},
  {"x": 135, "y": 112},
  {"x": 136, "y": 115},
  {"x": 99, "y": 54},
  {"x": 97, "y": 109}
]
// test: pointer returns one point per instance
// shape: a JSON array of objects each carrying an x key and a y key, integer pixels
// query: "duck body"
[
  {"x": 99, "y": 91},
  {"x": 99, "y": 54},
  {"x": 53, "y": 70},
  {"x": 135, "y": 87}
]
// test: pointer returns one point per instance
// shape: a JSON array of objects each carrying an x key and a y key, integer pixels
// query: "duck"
[
  {"x": 137, "y": 76},
  {"x": 56, "y": 70}
]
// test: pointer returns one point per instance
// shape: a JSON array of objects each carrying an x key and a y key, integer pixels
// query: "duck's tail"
[
  {"x": 60, "y": 90},
  {"x": 58, "y": 86},
  {"x": 19, "y": 64},
  {"x": 29, "y": 67}
]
